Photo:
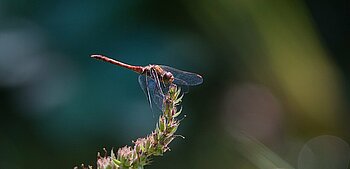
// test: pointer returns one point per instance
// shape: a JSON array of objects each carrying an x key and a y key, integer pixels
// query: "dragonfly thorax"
[
  {"x": 164, "y": 76},
  {"x": 168, "y": 77}
]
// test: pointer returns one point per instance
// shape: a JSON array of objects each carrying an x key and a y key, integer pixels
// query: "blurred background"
[{"x": 276, "y": 85}]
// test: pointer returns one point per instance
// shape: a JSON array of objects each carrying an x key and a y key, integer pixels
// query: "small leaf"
[
  {"x": 173, "y": 130},
  {"x": 177, "y": 93},
  {"x": 117, "y": 162},
  {"x": 177, "y": 101},
  {"x": 162, "y": 123},
  {"x": 112, "y": 154},
  {"x": 168, "y": 140},
  {"x": 177, "y": 113}
]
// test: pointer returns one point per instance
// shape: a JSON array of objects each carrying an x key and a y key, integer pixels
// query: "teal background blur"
[{"x": 275, "y": 92}]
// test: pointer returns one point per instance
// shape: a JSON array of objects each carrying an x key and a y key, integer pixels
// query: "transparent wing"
[
  {"x": 182, "y": 84},
  {"x": 143, "y": 85},
  {"x": 183, "y": 77},
  {"x": 152, "y": 91}
]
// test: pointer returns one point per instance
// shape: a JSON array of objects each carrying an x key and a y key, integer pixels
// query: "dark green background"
[{"x": 277, "y": 71}]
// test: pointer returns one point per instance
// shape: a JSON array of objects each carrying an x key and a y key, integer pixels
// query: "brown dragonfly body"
[
  {"x": 164, "y": 76},
  {"x": 155, "y": 79}
]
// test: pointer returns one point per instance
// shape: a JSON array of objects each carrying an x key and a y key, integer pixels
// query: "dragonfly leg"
[
  {"x": 156, "y": 79},
  {"x": 148, "y": 94}
]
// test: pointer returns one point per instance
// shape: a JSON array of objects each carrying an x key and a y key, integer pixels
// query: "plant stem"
[{"x": 155, "y": 144}]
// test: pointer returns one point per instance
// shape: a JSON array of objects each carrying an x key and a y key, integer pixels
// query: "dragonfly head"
[{"x": 168, "y": 77}]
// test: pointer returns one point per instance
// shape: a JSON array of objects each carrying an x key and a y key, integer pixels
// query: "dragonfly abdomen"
[{"x": 137, "y": 69}]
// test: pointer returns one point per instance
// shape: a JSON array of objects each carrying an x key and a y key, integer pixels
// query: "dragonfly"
[{"x": 156, "y": 79}]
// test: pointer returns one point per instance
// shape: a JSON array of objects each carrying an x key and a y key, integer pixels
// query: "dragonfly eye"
[{"x": 168, "y": 77}]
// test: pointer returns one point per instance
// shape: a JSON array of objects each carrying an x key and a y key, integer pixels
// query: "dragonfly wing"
[
  {"x": 153, "y": 93},
  {"x": 143, "y": 85},
  {"x": 182, "y": 84},
  {"x": 190, "y": 79}
]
